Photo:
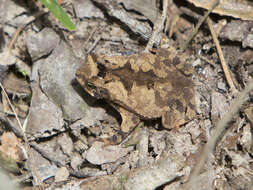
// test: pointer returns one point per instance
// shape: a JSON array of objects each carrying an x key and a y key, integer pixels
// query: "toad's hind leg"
[{"x": 174, "y": 117}]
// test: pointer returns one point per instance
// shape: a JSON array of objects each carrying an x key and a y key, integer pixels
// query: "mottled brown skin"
[{"x": 142, "y": 86}]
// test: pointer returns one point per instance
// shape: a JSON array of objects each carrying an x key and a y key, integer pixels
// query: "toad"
[{"x": 142, "y": 86}]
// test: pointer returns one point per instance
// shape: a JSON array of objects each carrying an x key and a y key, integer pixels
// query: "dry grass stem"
[
  {"x": 13, "y": 40},
  {"x": 27, "y": 146},
  {"x": 173, "y": 24},
  {"x": 158, "y": 27},
  {"x": 28, "y": 21},
  {"x": 93, "y": 45},
  {"x": 222, "y": 59},
  {"x": 200, "y": 22},
  {"x": 209, "y": 147},
  {"x": 14, "y": 112},
  {"x": 206, "y": 60}
]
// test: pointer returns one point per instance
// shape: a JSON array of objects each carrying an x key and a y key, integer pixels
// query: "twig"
[
  {"x": 173, "y": 24},
  {"x": 93, "y": 45},
  {"x": 209, "y": 147},
  {"x": 222, "y": 59},
  {"x": 19, "y": 30},
  {"x": 15, "y": 114},
  {"x": 158, "y": 27},
  {"x": 200, "y": 22},
  {"x": 206, "y": 59},
  {"x": 44, "y": 154},
  {"x": 13, "y": 40},
  {"x": 28, "y": 148},
  {"x": 10, "y": 125},
  {"x": 190, "y": 13}
]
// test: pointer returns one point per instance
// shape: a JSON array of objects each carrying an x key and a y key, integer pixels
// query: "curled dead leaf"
[{"x": 242, "y": 9}]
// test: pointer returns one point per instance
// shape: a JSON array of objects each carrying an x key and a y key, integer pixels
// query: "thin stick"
[
  {"x": 206, "y": 60},
  {"x": 28, "y": 148},
  {"x": 158, "y": 26},
  {"x": 200, "y": 22},
  {"x": 13, "y": 40},
  {"x": 209, "y": 147},
  {"x": 28, "y": 21},
  {"x": 222, "y": 59},
  {"x": 93, "y": 45},
  {"x": 15, "y": 114},
  {"x": 78, "y": 174},
  {"x": 173, "y": 24}
]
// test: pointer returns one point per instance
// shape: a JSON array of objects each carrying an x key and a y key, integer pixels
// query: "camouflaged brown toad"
[{"x": 142, "y": 86}]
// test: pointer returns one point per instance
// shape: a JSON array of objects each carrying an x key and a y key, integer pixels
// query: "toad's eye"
[{"x": 90, "y": 85}]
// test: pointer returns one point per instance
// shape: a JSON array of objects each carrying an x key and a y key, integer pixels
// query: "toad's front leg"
[{"x": 129, "y": 120}]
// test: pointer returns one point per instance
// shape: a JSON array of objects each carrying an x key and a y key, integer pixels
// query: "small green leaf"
[
  {"x": 24, "y": 73},
  {"x": 59, "y": 13}
]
